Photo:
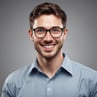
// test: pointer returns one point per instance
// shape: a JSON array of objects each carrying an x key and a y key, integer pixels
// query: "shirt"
[{"x": 71, "y": 80}]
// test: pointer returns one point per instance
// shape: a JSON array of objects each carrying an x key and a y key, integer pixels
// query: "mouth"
[{"x": 48, "y": 47}]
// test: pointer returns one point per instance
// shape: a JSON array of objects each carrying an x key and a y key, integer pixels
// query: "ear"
[
  {"x": 65, "y": 33},
  {"x": 30, "y": 33}
]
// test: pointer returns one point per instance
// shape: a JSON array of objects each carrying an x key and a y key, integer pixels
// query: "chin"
[{"x": 49, "y": 55}]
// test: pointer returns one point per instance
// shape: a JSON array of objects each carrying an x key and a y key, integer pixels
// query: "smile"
[{"x": 48, "y": 46}]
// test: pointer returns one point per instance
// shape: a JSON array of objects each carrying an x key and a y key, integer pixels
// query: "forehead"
[{"x": 47, "y": 21}]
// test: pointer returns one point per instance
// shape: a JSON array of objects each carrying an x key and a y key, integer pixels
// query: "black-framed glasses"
[{"x": 55, "y": 32}]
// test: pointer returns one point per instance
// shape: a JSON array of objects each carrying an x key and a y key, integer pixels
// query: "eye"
[
  {"x": 39, "y": 30},
  {"x": 55, "y": 30}
]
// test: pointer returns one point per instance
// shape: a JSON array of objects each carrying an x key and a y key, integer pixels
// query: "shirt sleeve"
[{"x": 8, "y": 89}]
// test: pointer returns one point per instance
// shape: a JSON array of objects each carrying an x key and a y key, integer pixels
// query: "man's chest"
[{"x": 56, "y": 87}]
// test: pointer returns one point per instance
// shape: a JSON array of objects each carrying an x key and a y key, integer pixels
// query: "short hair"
[{"x": 47, "y": 9}]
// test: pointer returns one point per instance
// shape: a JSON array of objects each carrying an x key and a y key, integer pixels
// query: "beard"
[{"x": 50, "y": 54}]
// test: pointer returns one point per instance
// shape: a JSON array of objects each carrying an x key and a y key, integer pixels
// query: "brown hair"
[{"x": 47, "y": 9}]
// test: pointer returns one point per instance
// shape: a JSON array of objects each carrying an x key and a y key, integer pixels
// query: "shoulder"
[
  {"x": 87, "y": 78},
  {"x": 18, "y": 76},
  {"x": 15, "y": 81},
  {"x": 84, "y": 70},
  {"x": 80, "y": 70}
]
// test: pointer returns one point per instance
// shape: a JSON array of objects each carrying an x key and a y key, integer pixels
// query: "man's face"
[{"x": 48, "y": 47}]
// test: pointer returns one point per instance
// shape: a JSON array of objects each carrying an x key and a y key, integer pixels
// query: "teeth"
[{"x": 50, "y": 46}]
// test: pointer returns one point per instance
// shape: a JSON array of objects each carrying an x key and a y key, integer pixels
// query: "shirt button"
[{"x": 48, "y": 89}]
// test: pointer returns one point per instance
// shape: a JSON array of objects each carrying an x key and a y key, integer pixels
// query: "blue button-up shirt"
[{"x": 71, "y": 80}]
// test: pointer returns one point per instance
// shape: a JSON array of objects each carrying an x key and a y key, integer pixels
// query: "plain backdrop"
[{"x": 16, "y": 50}]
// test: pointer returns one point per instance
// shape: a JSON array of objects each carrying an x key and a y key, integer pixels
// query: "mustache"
[{"x": 48, "y": 43}]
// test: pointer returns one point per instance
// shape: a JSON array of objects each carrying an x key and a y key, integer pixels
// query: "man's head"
[
  {"x": 48, "y": 29},
  {"x": 47, "y": 9}
]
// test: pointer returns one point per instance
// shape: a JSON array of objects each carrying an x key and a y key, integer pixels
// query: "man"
[{"x": 52, "y": 74}]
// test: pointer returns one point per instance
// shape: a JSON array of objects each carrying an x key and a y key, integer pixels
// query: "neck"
[{"x": 51, "y": 65}]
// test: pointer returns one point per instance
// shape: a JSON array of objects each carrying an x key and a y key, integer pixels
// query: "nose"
[{"x": 48, "y": 36}]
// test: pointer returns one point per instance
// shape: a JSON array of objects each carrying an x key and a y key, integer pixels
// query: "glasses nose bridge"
[
  {"x": 48, "y": 30},
  {"x": 48, "y": 33}
]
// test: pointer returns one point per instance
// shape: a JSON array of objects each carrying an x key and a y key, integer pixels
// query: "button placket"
[{"x": 49, "y": 88}]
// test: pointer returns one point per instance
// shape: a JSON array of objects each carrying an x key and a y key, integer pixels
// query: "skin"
[{"x": 49, "y": 49}]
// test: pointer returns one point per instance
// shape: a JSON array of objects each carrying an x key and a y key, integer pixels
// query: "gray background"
[{"x": 17, "y": 50}]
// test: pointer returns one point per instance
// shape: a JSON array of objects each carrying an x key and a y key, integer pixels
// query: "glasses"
[{"x": 55, "y": 32}]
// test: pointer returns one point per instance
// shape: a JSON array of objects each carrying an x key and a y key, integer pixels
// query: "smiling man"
[
  {"x": 48, "y": 34},
  {"x": 52, "y": 74}
]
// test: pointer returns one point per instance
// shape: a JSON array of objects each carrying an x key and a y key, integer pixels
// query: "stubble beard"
[{"x": 50, "y": 57}]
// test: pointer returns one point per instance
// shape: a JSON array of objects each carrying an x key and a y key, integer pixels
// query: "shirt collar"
[
  {"x": 66, "y": 65},
  {"x": 33, "y": 66}
]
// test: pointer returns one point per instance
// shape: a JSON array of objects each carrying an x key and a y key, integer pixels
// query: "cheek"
[
  {"x": 62, "y": 38},
  {"x": 36, "y": 42},
  {"x": 36, "y": 45},
  {"x": 61, "y": 42}
]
